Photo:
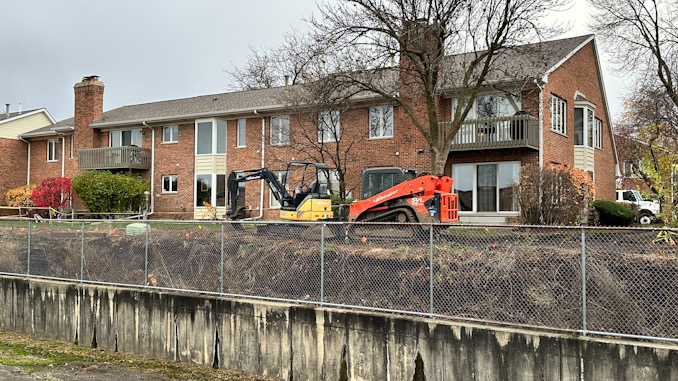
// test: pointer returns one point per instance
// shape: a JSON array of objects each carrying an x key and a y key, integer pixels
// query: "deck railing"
[
  {"x": 114, "y": 158},
  {"x": 520, "y": 131}
]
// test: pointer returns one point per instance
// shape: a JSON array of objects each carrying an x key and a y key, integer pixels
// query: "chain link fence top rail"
[{"x": 616, "y": 281}]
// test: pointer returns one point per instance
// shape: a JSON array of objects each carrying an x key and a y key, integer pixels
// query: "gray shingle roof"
[
  {"x": 4, "y": 116},
  {"x": 525, "y": 61},
  {"x": 200, "y": 106},
  {"x": 51, "y": 129},
  {"x": 520, "y": 62}
]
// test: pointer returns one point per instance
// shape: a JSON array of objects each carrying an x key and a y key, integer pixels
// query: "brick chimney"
[
  {"x": 89, "y": 106},
  {"x": 420, "y": 39}
]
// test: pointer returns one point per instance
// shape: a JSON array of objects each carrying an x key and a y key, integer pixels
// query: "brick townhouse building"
[{"x": 555, "y": 112}]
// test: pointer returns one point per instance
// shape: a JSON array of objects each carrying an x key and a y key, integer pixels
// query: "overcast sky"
[{"x": 146, "y": 51}]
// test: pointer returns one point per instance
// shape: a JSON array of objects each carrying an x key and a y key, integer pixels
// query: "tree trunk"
[{"x": 438, "y": 160}]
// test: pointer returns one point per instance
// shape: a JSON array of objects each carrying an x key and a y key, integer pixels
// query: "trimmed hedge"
[
  {"x": 612, "y": 214},
  {"x": 105, "y": 192}
]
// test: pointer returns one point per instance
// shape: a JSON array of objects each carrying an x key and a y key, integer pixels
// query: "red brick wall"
[
  {"x": 13, "y": 164},
  {"x": 174, "y": 159},
  {"x": 579, "y": 73},
  {"x": 40, "y": 168},
  {"x": 401, "y": 150}
]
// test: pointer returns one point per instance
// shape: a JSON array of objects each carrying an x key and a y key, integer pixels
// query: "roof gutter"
[
  {"x": 28, "y": 165},
  {"x": 209, "y": 114}
]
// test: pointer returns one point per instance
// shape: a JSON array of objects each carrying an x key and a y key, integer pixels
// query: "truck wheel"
[{"x": 645, "y": 219}]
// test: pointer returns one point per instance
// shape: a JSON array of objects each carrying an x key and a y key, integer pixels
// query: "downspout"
[
  {"x": 63, "y": 155},
  {"x": 263, "y": 147},
  {"x": 541, "y": 140},
  {"x": 541, "y": 120},
  {"x": 152, "y": 169},
  {"x": 28, "y": 166}
]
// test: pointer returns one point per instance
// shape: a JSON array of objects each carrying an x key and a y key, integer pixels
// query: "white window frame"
[
  {"x": 172, "y": 129},
  {"x": 558, "y": 115},
  {"x": 474, "y": 208},
  {"x": 213, "y": 194},
  {"x": 215, "y": 136},
  {"x": 379, "y": 132},
  {"x": 280, "y": 131},
  {"x": 241, "y": 135},
  {"x": 172, "y": 179},
  {"x": 325, "y": 135},
  {"x": 585, "y": 126},
  {"x": 52, "y": 150},
  {"x": 597, "y": 133},
  {"x": 132, "y": 132},
  {"x": 72, "y": 147}
]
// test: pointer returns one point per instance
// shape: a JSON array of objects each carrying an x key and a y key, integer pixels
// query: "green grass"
[{"x": 35, "y": 355}]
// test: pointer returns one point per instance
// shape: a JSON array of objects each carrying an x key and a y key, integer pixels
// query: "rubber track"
[{"x": 391, "y": 215}]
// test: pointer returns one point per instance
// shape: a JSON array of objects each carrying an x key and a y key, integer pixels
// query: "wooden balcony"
[
  {"x": 520, "y": 131},
  {"x": 114, "y": 158}
]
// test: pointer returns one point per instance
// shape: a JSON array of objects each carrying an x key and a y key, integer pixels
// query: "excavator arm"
[{"x": 236, "y": 192}]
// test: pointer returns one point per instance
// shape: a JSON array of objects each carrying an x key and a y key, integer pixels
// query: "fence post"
[
  {"x": 28, "y": 259},
  {"x": 82, "y": 249},
  {"x": 583, "y": 281},
  {"x": 322, "y": 264},
  {"x": 221, "y": 271},
  {"x": 148, "y": 227},
  {"x": 430, "y": 268}
]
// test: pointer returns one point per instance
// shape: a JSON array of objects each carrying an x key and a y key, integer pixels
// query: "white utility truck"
[{"x": 647, "y": 210}]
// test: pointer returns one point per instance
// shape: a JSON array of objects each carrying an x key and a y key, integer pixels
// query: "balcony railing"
[
  {"x": 114, "y": 158},
  {"x": 520, "y": 131}
]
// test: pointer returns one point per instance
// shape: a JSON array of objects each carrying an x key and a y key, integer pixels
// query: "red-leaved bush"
[{"x": 53, "y": 193}]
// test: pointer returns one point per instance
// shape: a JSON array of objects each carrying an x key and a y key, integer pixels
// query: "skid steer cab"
[{"x": 310, "y": 200}]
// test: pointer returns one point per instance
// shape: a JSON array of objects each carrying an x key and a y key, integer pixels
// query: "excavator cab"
[{"x": 311, "y": 199}]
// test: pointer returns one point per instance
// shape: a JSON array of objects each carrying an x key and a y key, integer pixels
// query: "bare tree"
[
  {"x": 269, "y": 67},
  {"x": 366, "y": 38},
  {"x": 316, "y": 112},
  {"x": 642, "y": 37}
]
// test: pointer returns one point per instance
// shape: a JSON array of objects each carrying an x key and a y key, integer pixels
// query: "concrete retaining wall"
[{"x": 287, "y": 342}]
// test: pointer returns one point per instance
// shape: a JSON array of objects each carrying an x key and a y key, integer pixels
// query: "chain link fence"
[{"x": 608, "y": 281}]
